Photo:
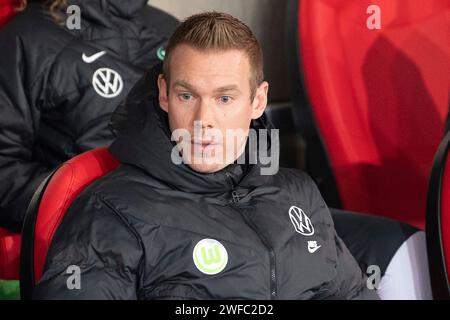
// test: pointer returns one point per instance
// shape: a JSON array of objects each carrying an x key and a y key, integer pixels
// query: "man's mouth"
[{"x": 203, "y": 146}]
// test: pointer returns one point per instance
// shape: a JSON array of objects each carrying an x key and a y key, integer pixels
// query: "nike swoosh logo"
[
  {"x": 92, "y": 58},
  {"x": 313, "y": 249}
]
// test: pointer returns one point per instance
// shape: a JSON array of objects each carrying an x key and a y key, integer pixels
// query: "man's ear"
[
  {"x": 259, "y": 103},
  {"x": 163, "y": 100}
]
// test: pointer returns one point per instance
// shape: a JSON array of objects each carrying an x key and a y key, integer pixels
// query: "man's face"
[{"x": 209, "y": 99}]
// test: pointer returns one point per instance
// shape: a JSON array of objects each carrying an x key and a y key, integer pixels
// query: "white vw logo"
[
  {"x": 301, "y": 221},
  {"x": 107, "y": 82}
]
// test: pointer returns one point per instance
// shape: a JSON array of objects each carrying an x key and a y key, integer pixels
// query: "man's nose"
[{"x": 205, "y": 114}]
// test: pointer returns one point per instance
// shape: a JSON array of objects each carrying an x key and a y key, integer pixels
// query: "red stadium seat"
[
  {"x": 7, "y": 10},
  {"x": 48, "y": 206},
  {"x": 9, "y": 255},
  {"x": 438, "y": 222},
  {"x": 371, "y": 104}
]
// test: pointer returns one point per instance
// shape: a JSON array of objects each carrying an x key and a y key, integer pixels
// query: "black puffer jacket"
[
  {"x": 54, "y": 98},
  {"x": 155, "y": 230}
]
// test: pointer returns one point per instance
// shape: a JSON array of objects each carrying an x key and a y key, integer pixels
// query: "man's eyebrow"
[
  {"x": 231, "y": 87},
  {"x": 186, "y": 85},
  {"x": 182, "y": 83}
]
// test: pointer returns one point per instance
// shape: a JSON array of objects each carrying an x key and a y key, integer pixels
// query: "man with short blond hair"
[{"x": 198, "y": 208}]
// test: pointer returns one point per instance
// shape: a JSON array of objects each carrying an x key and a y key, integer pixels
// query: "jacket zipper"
[{"x": 273, "y": 279}]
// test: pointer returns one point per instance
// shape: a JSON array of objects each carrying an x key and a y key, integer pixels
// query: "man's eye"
[
  {"x": 225, "y": 99},
  {"x": 185, "y": 96}
]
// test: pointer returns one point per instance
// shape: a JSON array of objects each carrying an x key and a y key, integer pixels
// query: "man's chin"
[{"x": 206, "y": 168}]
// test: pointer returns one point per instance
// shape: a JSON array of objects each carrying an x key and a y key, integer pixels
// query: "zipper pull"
[{"x": 235, "y": 196}]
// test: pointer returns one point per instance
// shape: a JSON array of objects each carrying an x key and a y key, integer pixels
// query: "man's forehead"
[
  {"x": 217, "y": 70},
  {"x": 188, "y": 60},
  {"x": 187, "y": 50},
  {"x": 220, "y": 87}
]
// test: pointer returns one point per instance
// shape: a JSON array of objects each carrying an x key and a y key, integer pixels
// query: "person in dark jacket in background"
[
  {"x": 59, "y": 85},
  {"x": 196, "y": 210}
]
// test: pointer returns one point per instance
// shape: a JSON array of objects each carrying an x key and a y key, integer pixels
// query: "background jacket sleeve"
[
  {"x": 19, "y": 120},
  {"x": 95, "y": 244}
]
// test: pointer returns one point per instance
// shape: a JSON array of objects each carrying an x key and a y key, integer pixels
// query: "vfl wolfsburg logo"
[
  {"x": 210, "y": 256},
  {"x": 161, "y": 53}
]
